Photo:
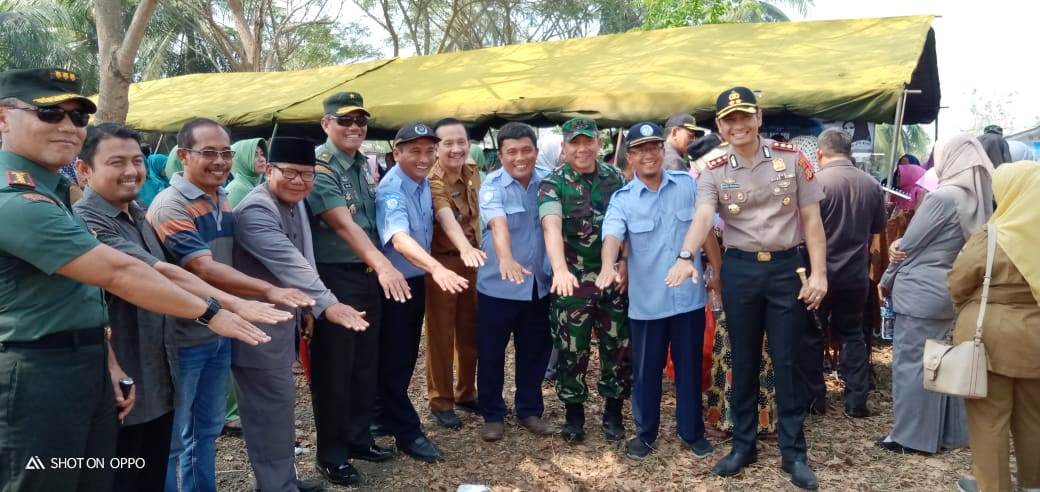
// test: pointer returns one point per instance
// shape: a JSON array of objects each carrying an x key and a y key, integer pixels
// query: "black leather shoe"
[
  {"x": 422, "y": 449},
  {"x": 377, "y": 430},
  {"x": 375, "y": 453},
  {"x": 802, "y": 476},
  {"x": 857, "y": 412},
  {"x": 468, "y": 406},
  {"x": 637, "y": 450},
  {"x": 701, "y": 447},
  {"x": 733, "y": 463},
  {"x": 818, "y": 406},
  {"x": 343, "y": 474},
  {"x": 447, "y": 418},
  {"x": 311, "y": 486}
]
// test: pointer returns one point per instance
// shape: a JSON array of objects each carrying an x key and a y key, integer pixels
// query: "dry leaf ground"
[{"x": 840, "y": 449}]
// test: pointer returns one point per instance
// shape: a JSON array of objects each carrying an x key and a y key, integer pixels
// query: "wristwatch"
[
  {"x": 212, "y": 307},
  {"x": 686, "y": 255}
]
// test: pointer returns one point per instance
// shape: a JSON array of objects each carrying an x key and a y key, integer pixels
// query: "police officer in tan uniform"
[{"x": 767, "y": 194}]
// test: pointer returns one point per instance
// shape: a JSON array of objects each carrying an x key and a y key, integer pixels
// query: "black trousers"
[
  {"x": 762, "y": 297},
  {"x": 344, "y": 365},
  {"x": 528, "y": 323},
  {"x": 56, "y": 403},
  {"x": 841, "y": 314},
  {"x": 149, "y": 441},
  {"x": 398, "y": 350}
]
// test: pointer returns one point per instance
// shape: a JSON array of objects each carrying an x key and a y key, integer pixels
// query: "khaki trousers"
[
  {"x": 451, "y": 339},
  {"x": 1011, "y": 408}
]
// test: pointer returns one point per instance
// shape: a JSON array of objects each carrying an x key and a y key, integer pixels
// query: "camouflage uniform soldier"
[{"x": 572, "y": 202}]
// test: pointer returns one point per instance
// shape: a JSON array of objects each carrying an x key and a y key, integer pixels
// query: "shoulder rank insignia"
[
  {"x": 718, "y": 162},
  {"x": 20, "y": 178},
  {"x": 323, "y": 168},
  {"x": 36, "y": 197},
  {"x": 784, "y": 146},
  {"x": 325, "y": 157},
  {"x": 807, "y": 168}
]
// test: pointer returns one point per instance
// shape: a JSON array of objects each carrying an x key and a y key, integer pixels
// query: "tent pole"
[
  {"x": 273, "y": 133},
  {"x": 897, "y": 133}
]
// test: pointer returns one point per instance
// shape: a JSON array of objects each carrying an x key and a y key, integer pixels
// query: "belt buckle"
[{"x": 764, "y": 256}]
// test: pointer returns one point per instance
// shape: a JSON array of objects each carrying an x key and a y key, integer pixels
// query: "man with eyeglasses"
[
  {"x": 194, "y": 221},
  {"x": 58, "y": 400},
  {"x": 344, "y": 364},
  {"x": 273, "y": 242},
  {"x": 652, "y": 213}
]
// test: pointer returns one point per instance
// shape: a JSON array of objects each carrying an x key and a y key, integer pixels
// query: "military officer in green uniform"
[
  {"x": 572, "y": 202},
  {"x": 343, "y": 362},
  {"x": 57, "y": 400}
]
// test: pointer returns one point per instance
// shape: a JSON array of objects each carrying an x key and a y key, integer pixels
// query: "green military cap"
[
  {"x": 44, "y": 87},
  {"x": 342, "y": 103},
  {"x": 579, "y": 126}
]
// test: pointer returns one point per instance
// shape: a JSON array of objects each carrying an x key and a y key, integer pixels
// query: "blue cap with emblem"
[
  {"x": 415, "y": 131},
  {"x": 644, "y": 132}
]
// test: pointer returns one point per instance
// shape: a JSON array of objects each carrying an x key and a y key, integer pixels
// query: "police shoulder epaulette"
[
  {"x": 20, "y": 179},
  {"x": 324, "y": 157},
  {"x": 784, "y": 146},
  {"x": 718, "y": 162}
]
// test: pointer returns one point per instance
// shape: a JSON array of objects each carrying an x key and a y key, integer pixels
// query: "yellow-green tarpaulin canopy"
[{"x": 838, "y": 70}]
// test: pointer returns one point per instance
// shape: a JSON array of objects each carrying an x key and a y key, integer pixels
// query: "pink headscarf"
[{"x": 909, "y": 174}]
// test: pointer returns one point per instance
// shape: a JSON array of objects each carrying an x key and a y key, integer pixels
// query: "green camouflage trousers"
[{"x": 573, "y": 321}]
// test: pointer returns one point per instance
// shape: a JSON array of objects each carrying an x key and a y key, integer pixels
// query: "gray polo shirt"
[
  {"x": 138, "y": 336},
  {"x": 190, "y": 224}
]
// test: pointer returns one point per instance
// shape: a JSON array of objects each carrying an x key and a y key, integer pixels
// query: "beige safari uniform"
[{"x": 760, "y": 200}]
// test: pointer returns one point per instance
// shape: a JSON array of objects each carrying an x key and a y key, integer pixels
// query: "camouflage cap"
[
  {"x": 342, "y": 103},
  {"x": 579, "y": 126},
  {"x": 44, "y": 87}
]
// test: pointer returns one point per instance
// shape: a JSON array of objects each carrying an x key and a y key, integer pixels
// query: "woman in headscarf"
[
  {"x": 924, "y": 421},
  {"x": 156, "y": 180},
  {"x": 173, "y": 163},
  {"x": 907, "y": 175},
  {"x": 249, "y": 164},
  {"x": 1010, "y": 331}
]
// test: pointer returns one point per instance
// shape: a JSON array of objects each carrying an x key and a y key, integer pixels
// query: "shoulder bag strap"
[{"x": 991, "y": 247}]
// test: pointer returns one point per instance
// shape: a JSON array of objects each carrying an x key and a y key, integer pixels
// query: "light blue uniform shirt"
[
  {"x": 501, "y": 196},
  {"x": 655, "y": 223},
  {"x": 402, "y": 205}
]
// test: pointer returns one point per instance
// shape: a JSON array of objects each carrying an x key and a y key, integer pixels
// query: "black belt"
[
  {"x": 61, "y": 340},
  {"x": 762, "y": 256}
]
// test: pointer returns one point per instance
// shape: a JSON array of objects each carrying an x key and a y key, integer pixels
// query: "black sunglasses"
[
  {"x": 346, "y": 121},
  {"x": 54, "y": 114}
]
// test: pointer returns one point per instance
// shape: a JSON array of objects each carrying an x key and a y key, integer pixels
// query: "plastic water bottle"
[
  {"x": 714, "y": 300},
  {"x": 888, "y": 318}
]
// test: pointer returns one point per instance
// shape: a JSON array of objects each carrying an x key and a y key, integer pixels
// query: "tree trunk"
[{"x": 117, "y": 51}]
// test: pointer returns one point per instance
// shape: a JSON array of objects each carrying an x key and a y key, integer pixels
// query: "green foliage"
[{"x": 660, "y": 14}]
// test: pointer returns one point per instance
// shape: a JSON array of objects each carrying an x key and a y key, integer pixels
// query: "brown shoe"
[
  {"x": 536, "y": 425},
  {"x": 492, "y": 431}
]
